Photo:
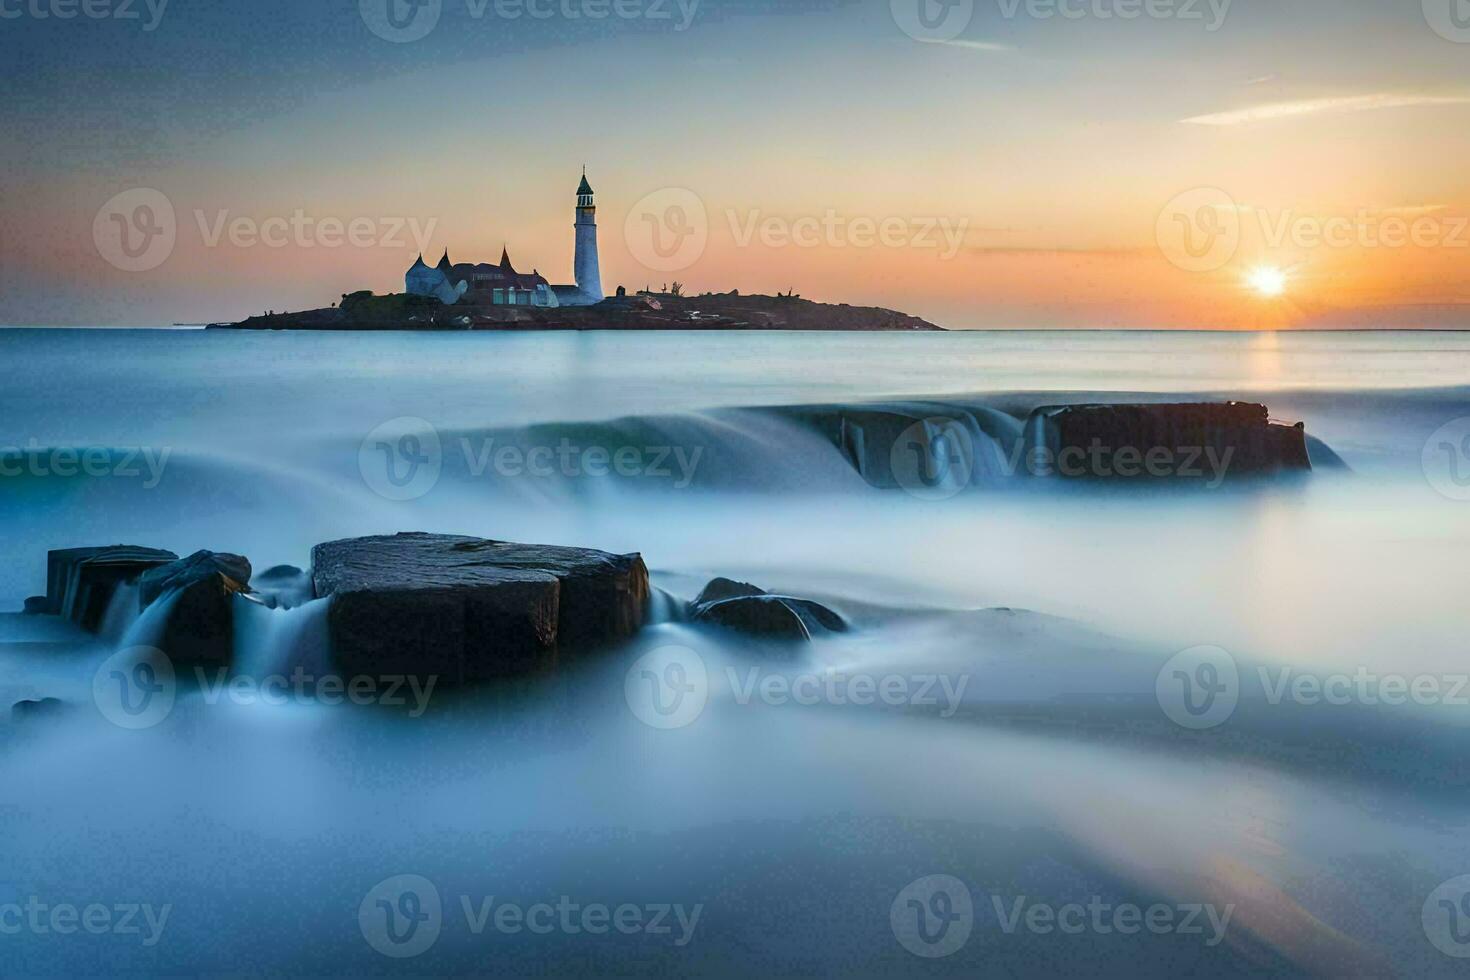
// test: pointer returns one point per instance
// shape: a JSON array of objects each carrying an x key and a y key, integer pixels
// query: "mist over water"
[{"x": 1039, "y": 762}]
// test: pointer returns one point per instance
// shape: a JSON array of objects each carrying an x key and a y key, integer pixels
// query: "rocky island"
[
  {"x": 643, "y": 311},
  {"x": 474, "y": 295}
]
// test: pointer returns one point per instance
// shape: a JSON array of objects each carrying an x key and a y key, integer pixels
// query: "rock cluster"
[{"x": 747, "y": 609}]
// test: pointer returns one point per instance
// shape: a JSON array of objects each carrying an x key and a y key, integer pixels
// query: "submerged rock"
[
  {"x": 44, "y": 708},
  {"x": 469, "y": 609},
  {"x": 80, "y": 582},
  {"x": 282, "y": 587},
  {"x": 37, "y": 605},
  {"x": 1206, "y": 441},
  {"x": 201, "y": 625},
  {"x": 748, "y": 609}
]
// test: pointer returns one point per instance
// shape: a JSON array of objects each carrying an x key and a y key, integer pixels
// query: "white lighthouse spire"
[{"x": 588, "y": 272}]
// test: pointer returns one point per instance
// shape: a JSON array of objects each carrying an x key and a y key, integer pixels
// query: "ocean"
[{"x": 992, "y": 772}]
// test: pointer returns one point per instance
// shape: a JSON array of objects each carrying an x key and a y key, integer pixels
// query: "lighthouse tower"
[{"x": 588, "y": 274}]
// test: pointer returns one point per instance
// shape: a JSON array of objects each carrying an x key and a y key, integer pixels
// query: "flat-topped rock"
[
  {"x": 80, "y": 582},
  {"x": 469, "y": 609},
  {"x": 1112, "y": 441}
]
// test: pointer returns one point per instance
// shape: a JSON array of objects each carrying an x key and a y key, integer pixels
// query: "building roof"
[{"x": 585, "y": 188}]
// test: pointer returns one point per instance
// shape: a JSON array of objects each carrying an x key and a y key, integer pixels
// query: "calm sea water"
[{"x": 1055, "y": 777}]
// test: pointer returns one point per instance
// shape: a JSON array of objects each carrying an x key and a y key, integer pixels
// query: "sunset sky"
[{"x": 1312, "y": 152}]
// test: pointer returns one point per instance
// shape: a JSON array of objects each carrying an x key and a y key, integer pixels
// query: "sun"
[{"x": 1267, "y": 281}]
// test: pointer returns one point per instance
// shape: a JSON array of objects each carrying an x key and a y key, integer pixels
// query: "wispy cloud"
[
  {"x": 991, "y": 46},
  {"x": 1311, "y": 107}
]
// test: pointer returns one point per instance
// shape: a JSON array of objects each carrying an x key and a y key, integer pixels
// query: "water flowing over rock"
[
  {"x": 201, "y": 626},
  {"x": 282, "y": 587},
  {"x": 1237, "y": 437},
  {"x": 80, "y": 582},
  {"x": 469, "y": 609},
  {"x": 748, "y": 609}
]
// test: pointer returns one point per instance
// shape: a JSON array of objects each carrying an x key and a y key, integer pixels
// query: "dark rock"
[
  {"x": 37, "y": 605},
  {"x": 1239, "y": 435},
  {"x": 764, "y": 616},
  {"x": 44, "y": 708},
  {"x": 468, "y": 609},
  {"x": 80, "y": 582},
  {"x": 201, "y": 625},
  {"x": 720, "y": 589},
  {"x": 748, "y": 609}
]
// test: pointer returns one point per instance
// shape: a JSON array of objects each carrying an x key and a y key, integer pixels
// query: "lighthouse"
[{"x": 588, "y": 274}]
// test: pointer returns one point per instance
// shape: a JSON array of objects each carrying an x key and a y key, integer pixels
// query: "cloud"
[
  {"x": 1337, "y": 104},
  {"x": 990, "y": 46}
]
